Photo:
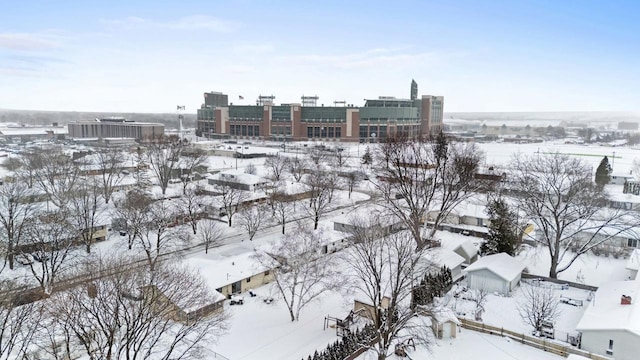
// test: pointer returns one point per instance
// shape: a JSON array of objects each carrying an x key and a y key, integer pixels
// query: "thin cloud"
[
  {"x": 28, "y": 65},
  {"x": 370, "y": 58},
  {"x": 24, "y": 41},
  {"x": 193, "y": 22}
]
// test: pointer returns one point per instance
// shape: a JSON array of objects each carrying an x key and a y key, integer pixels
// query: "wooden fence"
[
  {"x": 558, "y": 281},
  {"x": 538, "y": 343}
]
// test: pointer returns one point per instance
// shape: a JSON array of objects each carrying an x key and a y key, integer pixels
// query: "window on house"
[
  {"x": 248, "y": 279},
  {"x": 479, "y": 222},
  {"x": 266, "y": 273},
  {"x": 632, "y": 243}
]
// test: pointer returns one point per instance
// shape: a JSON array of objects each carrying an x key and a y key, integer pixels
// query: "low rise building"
[{"x": 610, "y": 324}]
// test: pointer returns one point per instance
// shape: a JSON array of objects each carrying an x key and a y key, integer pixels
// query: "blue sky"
[{"x": 149, "y": 56}]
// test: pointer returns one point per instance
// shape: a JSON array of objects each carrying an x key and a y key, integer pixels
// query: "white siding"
[
  {"x": 626, "y": 345},
  {"x": 484, "y": 278}
]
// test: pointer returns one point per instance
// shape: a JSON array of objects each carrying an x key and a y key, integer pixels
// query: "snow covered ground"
[{"x": 588, "y": 269}]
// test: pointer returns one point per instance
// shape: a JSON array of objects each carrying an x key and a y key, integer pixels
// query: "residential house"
[
  {"x": 610, "y": 324},
  {"x": 231, "y": 273},
  {"x": 361, "y": 218},
  {"x": 237, "y": 179},
  {"x": 460, "y": 244}
]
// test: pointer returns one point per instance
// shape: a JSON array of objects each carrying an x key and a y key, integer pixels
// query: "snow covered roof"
[
  {"x": 634, "y": 261},
  {"x": 445, "y": 257},
  {"x": 238, "y": 176},
  {"x": 368, "y": 212},
  {"x": 605, "y": 311},
  {"x": 221, "y": 269},
  {"x": 614, "y": 193},
  {"x": 453, "y": 241},
  {"x": 21, "y": 131},
  {"x": 501, "y": 264}
]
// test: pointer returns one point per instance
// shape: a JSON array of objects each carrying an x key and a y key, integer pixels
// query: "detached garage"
[{"x": 496, "y": 273}]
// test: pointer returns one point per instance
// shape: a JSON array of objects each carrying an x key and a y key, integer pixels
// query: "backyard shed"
[{"x": 496, "y": 273}]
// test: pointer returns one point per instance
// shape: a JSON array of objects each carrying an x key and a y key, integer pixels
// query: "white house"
[
  {"x": 238, "y": 180},
  {"x": 633, "y": 264},
  {"x": 460, "y": 244},
  {"x": 232, "y": 272},
  {"x": 370, "y": 216},
  {"x": 440, "y": 257},
  {"x": 496, "y": 273},
  {"x": 610, "y": 324}
]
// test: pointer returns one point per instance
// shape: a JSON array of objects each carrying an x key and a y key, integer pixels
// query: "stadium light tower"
[{"x": 180, "y": 108}]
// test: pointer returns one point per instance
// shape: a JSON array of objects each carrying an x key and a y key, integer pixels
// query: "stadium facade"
[{"x": 376, "y": 120}]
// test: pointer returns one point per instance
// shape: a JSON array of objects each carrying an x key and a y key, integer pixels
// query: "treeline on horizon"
[{"x": 31, "y": 117}]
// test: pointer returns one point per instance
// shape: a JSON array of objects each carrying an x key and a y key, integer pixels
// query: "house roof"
[
  {"x": 221, "y": 269},
  {"x": 502, "y": 264},
  {"x": 445, "y": 257},
  {"x": 378, "y": 215},
  {"x": 606, "y": 313},
  {"x": 453, "y": 241},
  {"x": 634, "y": 260},
  {"x": 239, "y": 177}
]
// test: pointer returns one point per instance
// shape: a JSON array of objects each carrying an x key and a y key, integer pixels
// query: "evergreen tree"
[
  {"x": 504, "y": 235},
  {"x": 366, "y": 158},
  {"x": 603, "y": 173}
]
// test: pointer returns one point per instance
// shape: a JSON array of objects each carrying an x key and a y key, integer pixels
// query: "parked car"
[{"x": 237, "y": 300}]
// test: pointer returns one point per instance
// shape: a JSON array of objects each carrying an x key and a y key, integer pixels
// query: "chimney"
[{"x": 625, "y": 300}]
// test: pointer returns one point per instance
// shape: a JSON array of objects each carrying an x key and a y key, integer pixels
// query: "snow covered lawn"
[
  {"x": 474, "y": 345},
  {"x": 502, "y": 311},
  {"x": 588, "y": 269}
]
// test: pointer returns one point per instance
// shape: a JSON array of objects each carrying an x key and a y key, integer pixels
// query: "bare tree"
[
  {"x": 297, "y": 168},
  {"x": 557, "y": 193},
  {"x": 160, "y": 235},
  {"x": 301, "y": 275},
  {"x": 190, "y": 161},
  {"x": 210, "y": 234},
  {"x": 283, "y": 209},
  {"x": 53, "y": 173},
  {"x": 479, "y": 298},
  {"x": 18, "y": 323},
  {"x": 332, "y": 181},
  {"x": 48, "y": 247},
  {"x": 164, "y": 159},
  {"x": 276, "y": 165},
  {"x": 352, "y": 180},
  {"x": 86, "y": 212},
  {"x": 540, "y": 305},
  {"x": 383, "y": 269},
  {"x": 231, "y": 200},
  {"x": 190, "y": 207},
  {"x": 417, "y": 176},
  {"x": 339, "y": 159},
  {"x": 12, "y": 163},
  {"x": 318, "y": 155},
  {"x": 109, "y": 163},
  {"x": 320, "y": 196},
  {"x": 120, "y": 315},
  {"x": 16, "y": 210},
  {"x": 253, "y": 219},
  {"x": 133, "y": 213},
  {"x": 250, "y": 169}
]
